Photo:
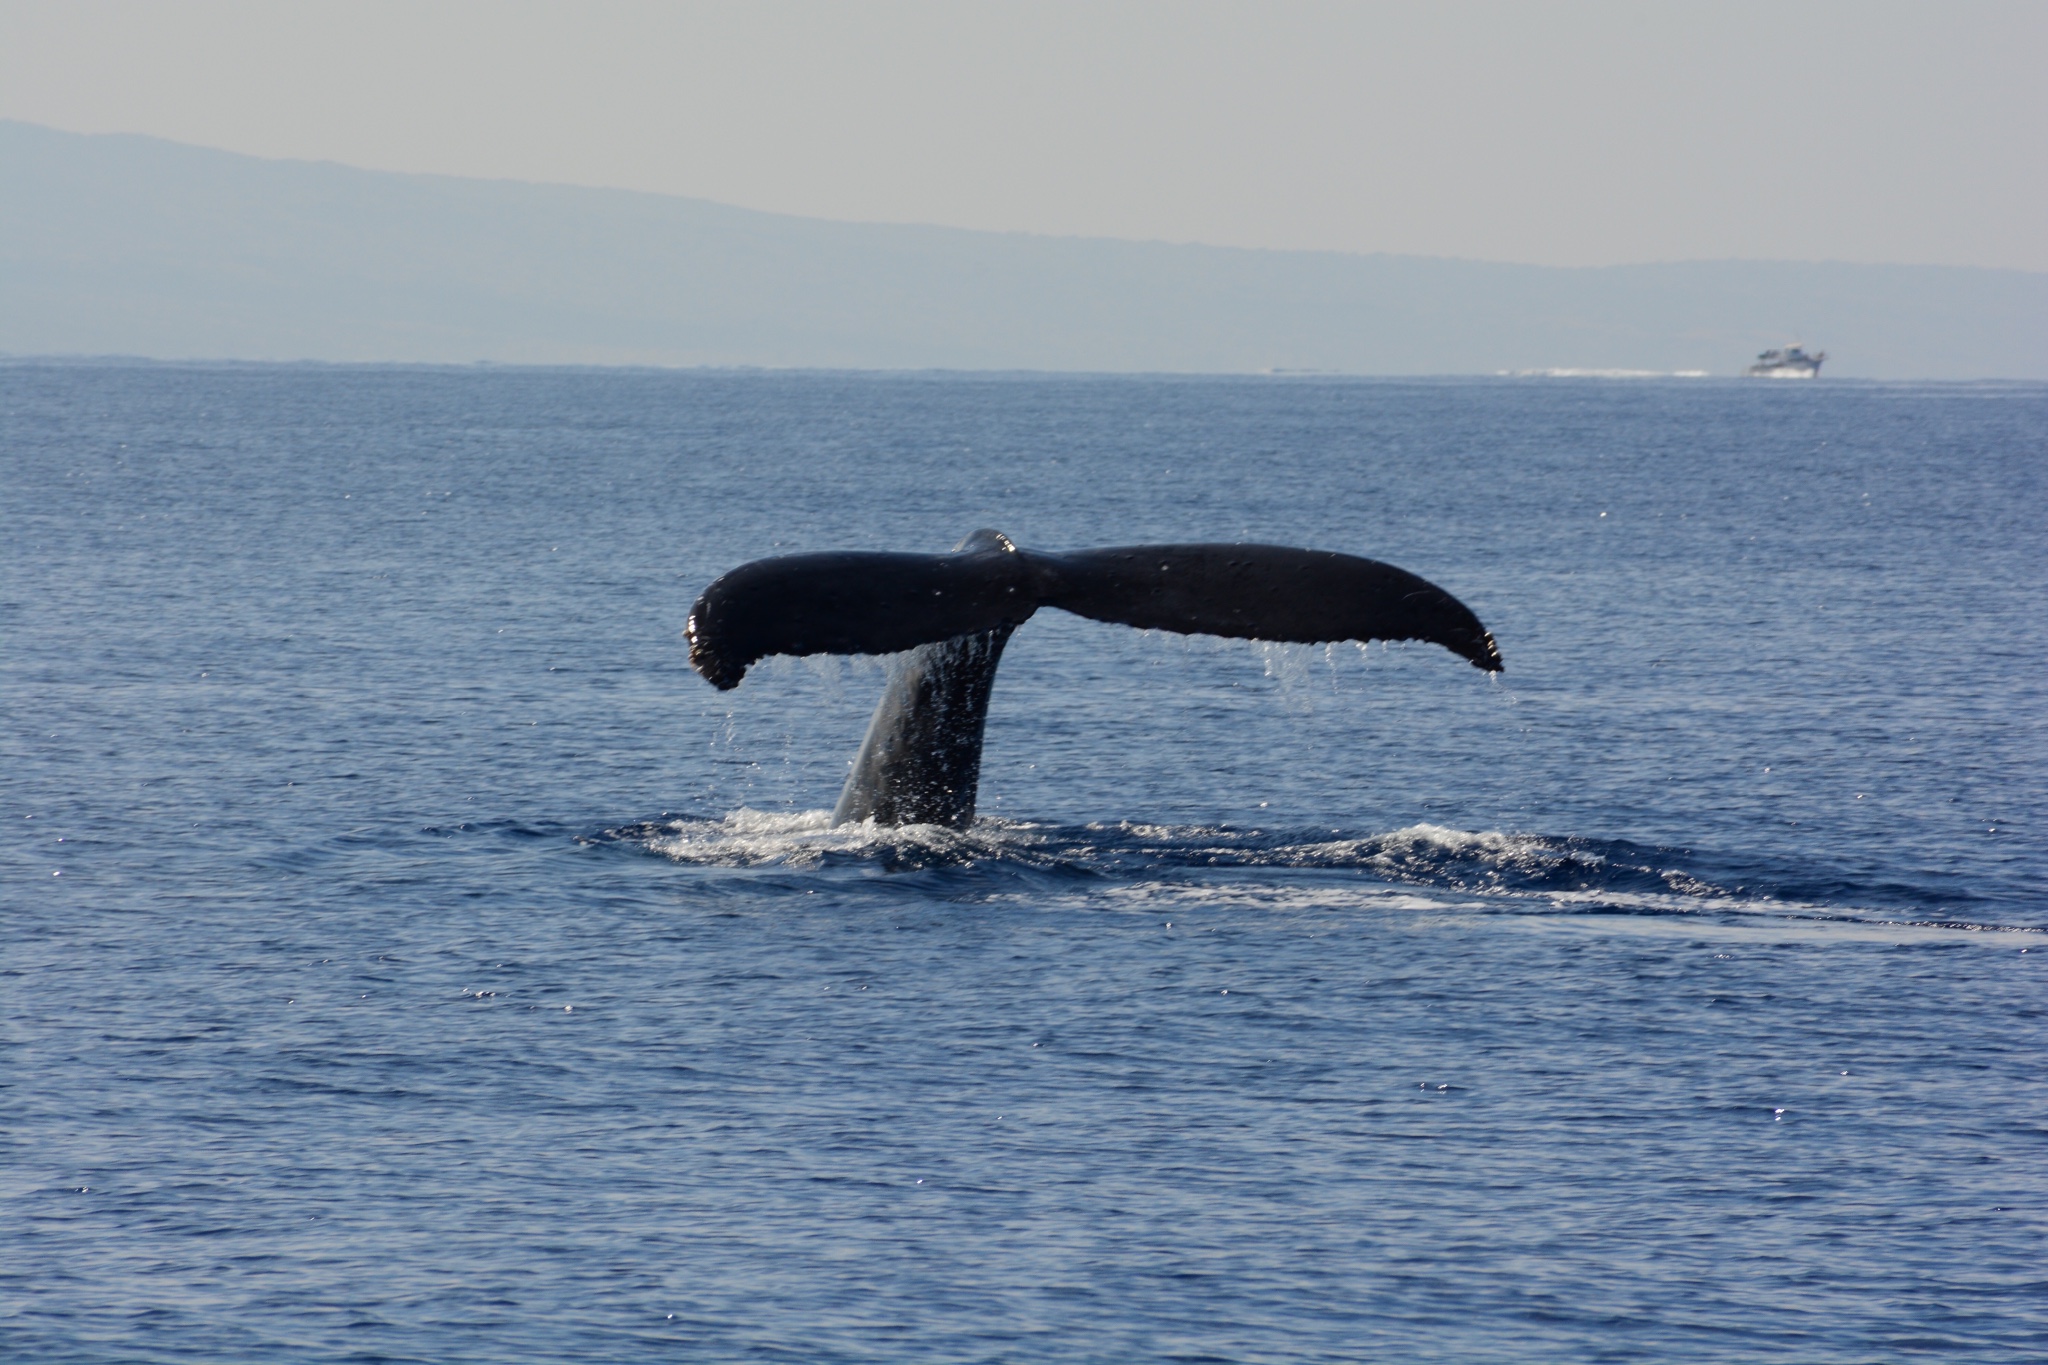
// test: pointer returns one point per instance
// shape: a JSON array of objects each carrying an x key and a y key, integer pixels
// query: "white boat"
[{"x": 1791, "y": 362}]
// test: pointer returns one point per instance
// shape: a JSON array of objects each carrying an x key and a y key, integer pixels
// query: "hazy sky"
[{"x": 1586, "y": 133}]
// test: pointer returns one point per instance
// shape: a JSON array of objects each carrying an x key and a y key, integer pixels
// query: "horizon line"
[{"x": 116, "y": 360}]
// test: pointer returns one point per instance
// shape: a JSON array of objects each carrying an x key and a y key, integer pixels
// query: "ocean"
[{"x": 407, "y": 958}]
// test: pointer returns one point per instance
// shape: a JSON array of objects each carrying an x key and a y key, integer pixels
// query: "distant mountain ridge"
[{"x": 118, "y": 244}]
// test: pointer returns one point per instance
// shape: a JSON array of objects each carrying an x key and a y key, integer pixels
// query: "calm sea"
[{"x": 404, "y": 957}]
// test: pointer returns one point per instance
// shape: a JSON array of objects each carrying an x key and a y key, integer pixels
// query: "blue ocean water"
[{"x": 406, "y": 958}]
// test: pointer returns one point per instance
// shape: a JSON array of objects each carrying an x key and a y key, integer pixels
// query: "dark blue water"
[{"x": 407, "y": 959}]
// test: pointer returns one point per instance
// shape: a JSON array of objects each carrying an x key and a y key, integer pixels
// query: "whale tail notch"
[{"x": 921, "y": 760}]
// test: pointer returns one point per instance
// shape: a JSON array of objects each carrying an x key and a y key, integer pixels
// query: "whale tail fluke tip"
[{"x": 721, "y": 672}]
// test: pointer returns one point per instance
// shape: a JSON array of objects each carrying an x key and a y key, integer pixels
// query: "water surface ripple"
[{"x": 407, "y": 959}]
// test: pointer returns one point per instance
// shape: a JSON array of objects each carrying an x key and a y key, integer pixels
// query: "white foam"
[
  {"x": 752, "y": 838},
  {"x": 1419, "y": 867}
]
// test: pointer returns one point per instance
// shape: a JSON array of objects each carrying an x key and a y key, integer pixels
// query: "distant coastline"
[{"x": 126, "y": 245}]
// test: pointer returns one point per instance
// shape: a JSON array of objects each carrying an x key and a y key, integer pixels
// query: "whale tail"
[
  {"x": 921, "y": 760},
  {"x": 1261, "y": 592}
]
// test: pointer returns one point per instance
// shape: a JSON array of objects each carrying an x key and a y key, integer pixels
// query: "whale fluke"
[
  {"x": 921, "y": 760},
  {"x": 1261, "y": 592},
  {"x": 852, "y": 602}
]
